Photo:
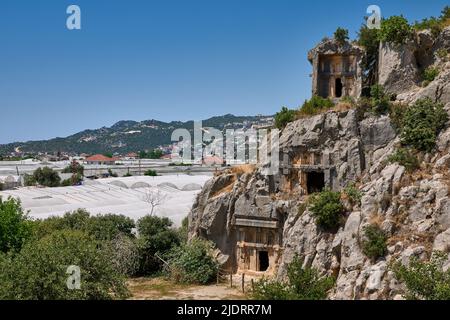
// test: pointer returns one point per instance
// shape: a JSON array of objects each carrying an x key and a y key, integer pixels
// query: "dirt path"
[{"x": 161, "y": 289}]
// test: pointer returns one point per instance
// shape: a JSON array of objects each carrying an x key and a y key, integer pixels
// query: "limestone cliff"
[{"x": 412, "y": 209}]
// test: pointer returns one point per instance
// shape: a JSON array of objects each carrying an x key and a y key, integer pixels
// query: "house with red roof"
[{"x": 99, "y": 159}]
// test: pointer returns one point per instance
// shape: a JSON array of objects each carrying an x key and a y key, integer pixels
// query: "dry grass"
[
  {"x": 376, "y": 219},
  {"x": 242, "y": 169},
  {"x": 339, "y": 107},
  {"x": 343, "y": 106}
]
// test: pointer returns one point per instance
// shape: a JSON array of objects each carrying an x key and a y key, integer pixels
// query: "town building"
[{"x": 99, "y": 159}]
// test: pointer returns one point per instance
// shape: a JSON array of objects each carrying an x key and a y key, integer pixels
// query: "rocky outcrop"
[
  {"x": 397, "y": 69},
  {"x": 412, "y": 209}
]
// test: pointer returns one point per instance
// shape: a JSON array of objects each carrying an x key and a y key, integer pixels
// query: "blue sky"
[{"x": 165, "y": 59}]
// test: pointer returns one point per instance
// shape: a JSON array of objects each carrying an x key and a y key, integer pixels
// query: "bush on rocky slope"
[
  {"x": 327, "y": 208},
  {"x": 315, "y": 105},
  {"x": 283, "y": 117},
  {"x": 425, "y": 280},
  {"x": 422, "y": 123},
  {"x": 302, "y": 284},
  {"x": 406, "y": 158},
  {"x": 374, "y": 245}
]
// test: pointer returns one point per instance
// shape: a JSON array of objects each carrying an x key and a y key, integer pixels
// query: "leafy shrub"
[
  {"x": 395, "y": 29},
  {"x": 379, "y": 99},
  {"x": 436, "y": 25},
  {"x": 302, "y": 284},
  {"x": 442, "y": 53},
  {"x": 101, "y": 227},
  {"x": 352, "y": 193},
  {"x": 156, "y": 237},
  {"x": 316, "y": 105},
  {"x": 349, "y": 100},
  {"x": 154, "y": 154},
  {"x": 433, "y": 24},
  {"x": 15, "y": 228},
  {"x": 374, "y": 245},
  {"x": 184, "y": 230},
  {"x": 368, "y": 38},
  {"x": 265, "y": 289},
  {"x": 422, "y": 123},
  {"x": 46, "y": 177},
  {"x": 75, "y": 180},
  {"x": 150, "y": 173},
  {"x": 193, "y": 262},
  {"x": 112, "y": 174},
  {"x": 327, "y": 208},
  {"x": 425, "y": 280},
  {"x": 124, "y": 254},
  {"x": 397, "y": 114},
  {"x": 406, "y": 158},
  {"x": 38, "y": 272},
  {"x": 74, "y": 168},
  {"x": 341, "y": 35},
  {"x": 430, "y": 73},
  {"x": 28, "y": 180},
  {"x": 283, "y": 117}
]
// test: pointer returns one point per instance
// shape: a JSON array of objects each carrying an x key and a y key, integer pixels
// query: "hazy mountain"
[{"x": 126, "y": 136}]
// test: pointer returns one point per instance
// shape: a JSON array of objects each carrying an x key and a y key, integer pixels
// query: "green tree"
[
  {"x": 15, "y": 228},
  {"x": 150, "y": 173},
  {"x": 101, "y": 227},
  {"x": 368, "y": 38},
  {"x": 29, "y": 180},
  {"x": 395, "y": 29},
  {"x": 341, "y": 35},
  {"x": 39, "y": 270},
  {"x": 46, "y": 177},
  {"x": 193, "y": 262},
  {"x": 156, "y": 154},
  {"x": 156, "y": 237},
  {"x": 74, "y": 168},
  {"x": 283, "y": 117}
]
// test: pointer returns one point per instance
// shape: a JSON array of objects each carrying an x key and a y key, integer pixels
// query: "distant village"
[{"x": 16, "y": 166}]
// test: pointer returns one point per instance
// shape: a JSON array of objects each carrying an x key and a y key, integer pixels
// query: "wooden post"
[
  {"x": 231, "y": 280},
  {"x": 243, "y": 283},
  {"x": 253, "y": 285}
]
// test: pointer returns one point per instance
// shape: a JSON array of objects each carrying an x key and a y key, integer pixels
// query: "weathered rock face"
[
  {"x": 400, "y": 67},
  {"x": 412, "y": 209},
  {"x": 398, "y": 71}
]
